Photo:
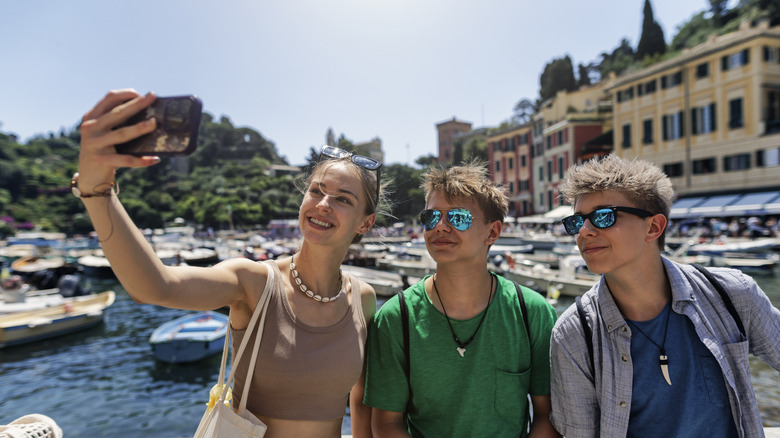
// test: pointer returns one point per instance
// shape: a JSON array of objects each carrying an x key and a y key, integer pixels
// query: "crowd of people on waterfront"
[
  {"x": 655, "y": 348},
  {"x": 747, "y": 227}
]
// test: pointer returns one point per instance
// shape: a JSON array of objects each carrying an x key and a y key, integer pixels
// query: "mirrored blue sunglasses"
[
  {"x": 459, "y": 218},
  {"x": 359, "y": 160},
  {"x": 600, "y": 218}
]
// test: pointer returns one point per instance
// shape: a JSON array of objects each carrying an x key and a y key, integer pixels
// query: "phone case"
[{"x": 178, "y": 121}]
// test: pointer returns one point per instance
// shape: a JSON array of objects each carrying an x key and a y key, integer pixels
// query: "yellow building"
[{"x": 709, "y": 117}]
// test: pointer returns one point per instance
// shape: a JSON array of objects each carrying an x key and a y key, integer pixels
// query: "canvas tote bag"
[{"x": 220, "y": 420}]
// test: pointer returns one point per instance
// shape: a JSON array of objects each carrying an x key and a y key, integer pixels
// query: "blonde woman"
[{"x": 312, "y": 351}]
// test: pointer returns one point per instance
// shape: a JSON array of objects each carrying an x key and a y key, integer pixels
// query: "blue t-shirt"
[{"x": 697, "y": 399}]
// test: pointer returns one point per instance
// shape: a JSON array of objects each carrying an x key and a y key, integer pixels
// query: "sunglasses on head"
[
  {"x": 603, "y": 217},
  {"x": 359, "y": 160},
  {"x": 459, "y": 218}
]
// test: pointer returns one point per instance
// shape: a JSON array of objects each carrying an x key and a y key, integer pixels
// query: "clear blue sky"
[{"x": 291, "y": 69}]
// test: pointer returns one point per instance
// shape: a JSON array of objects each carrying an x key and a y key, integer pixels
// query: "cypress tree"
[{"x": 652, "y": 40}]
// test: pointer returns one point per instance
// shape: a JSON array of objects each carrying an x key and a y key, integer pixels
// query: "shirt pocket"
[
  {"x": 512, "y": 396},
  {"x": 713, "y": 381}
]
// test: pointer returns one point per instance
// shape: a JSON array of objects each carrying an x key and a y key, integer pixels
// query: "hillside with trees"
[{"x": 559, "y": 74}]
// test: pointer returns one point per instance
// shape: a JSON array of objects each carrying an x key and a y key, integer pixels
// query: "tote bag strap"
[
  {"x": 253, "y": 361},
  {"x": 262, "y": 306}
]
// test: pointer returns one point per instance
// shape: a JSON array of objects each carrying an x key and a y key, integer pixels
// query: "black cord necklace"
[
  {"x": 462, "y": 345},
  {"x": 662, "y": 360}
]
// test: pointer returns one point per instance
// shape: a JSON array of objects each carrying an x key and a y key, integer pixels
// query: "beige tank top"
[{"x": 302, "y": 372}]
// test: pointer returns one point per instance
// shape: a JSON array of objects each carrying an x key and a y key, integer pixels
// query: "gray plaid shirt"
[{"x": 587, "y": 405}]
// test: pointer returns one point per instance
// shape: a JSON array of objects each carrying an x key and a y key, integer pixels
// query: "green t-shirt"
[{"x": 484, "y": 393}]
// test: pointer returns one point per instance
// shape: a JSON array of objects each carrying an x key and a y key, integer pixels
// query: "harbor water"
[{"x": 105, "y": 381}]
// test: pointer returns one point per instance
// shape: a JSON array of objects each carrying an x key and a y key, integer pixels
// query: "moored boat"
[
  {"x": 571, "y": 279},
  {"x": 72, "y": 314},
  {"x": 385, "y": 283},
  {"x": 190, "y": 338},
  {"x": 95, "y": 265},
  {"x": 31, "y": 264}
]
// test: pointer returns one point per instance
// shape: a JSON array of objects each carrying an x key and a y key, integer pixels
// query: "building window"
[
  {"x": 522, "y": 161},
  {"x": 772, "y": 55},
  {"x": 541, "y": 173},
  {"x": 511, "y": 187},
  {"x": 560, "y": 138},
  {"x": 735, "y": 60},
  {"x": 498, "y": 166},
  {"x": 672, "y": 80},
  {"x": 549, "y": 141},
  {"x": 541, "y": 199},
  {"x": 549, "y": 171},
  {"x": 703, "y": 119},
  {"x": 626, "y": 143},
  {"x": 673, "y": 170},
  {"x": 628, "y": 93},
  {"x": 735, "y": 113},
  {"x": 676, "y": 79},
  {"x": 673, "y": 126},
  {"x": 773, "y": 112},
  {"x": 702, "y": 70},
  {"x": 560, "y": 168},
  {"x": 736, "y": 162},
  {"x": 647, "y": 131},
  {"x": 511, "y": 164},
  {"x": 704, "y": 166},
  {"x": 768, "y": 157},
  {"x": 650, "y": 87}
]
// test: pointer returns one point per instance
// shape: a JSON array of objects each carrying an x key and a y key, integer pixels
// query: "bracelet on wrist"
[{"x": 74, "y": 188}]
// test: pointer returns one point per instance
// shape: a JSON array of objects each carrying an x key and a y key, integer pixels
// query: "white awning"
[
  {"x": 755, "y": 204},
  {"x": 744, "y": 204},
  {"x": 713, "y": 206},
  {"x": 680, "y": 208},
  {"x": 534, "y": 219},
  {"x": 559, "y": 213}
]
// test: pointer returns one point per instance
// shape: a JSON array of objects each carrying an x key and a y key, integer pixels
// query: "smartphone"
[{"x": 178, "y": 120}]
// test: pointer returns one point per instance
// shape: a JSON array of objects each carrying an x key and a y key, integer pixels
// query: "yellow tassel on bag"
[{"x": 215, "y": 393}]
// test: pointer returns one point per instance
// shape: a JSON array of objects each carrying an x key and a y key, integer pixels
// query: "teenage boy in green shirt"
[{"x": 472, "y": 361}]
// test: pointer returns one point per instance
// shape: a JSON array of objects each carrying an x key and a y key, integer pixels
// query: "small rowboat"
[{"x": 189, "y": 338}]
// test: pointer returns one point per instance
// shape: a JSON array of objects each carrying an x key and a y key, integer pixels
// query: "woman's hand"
[{"x": 98, "y": 158}]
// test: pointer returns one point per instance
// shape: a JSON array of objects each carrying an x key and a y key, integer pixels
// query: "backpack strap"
[
  {"x": 524, "y": 311},
  {"x": 404, "y": 327},
  {"x": 588, "y": 332},
  {"x": 407, "y": 367},
  {"x": 726, "y": 300}
]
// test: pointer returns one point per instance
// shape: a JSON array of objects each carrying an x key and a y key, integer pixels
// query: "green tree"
[
  {"x": 719, "y": 10},
  {"x": 407, "y": 195},
  {"x": 557, "y": 75},
  {"x": 583, "y": 75},
  {"x": 523, "y": 111},
  {"x": 652, "y": 41},
  {"x": 772, "y": 10},
  {"x": 692, "y": 33},
  {"x": 618, "y": 61},
  {"x": 426, "y": 160}
]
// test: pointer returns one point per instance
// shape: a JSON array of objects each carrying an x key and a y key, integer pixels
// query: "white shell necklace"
[{"x": 309, "y": 293}]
